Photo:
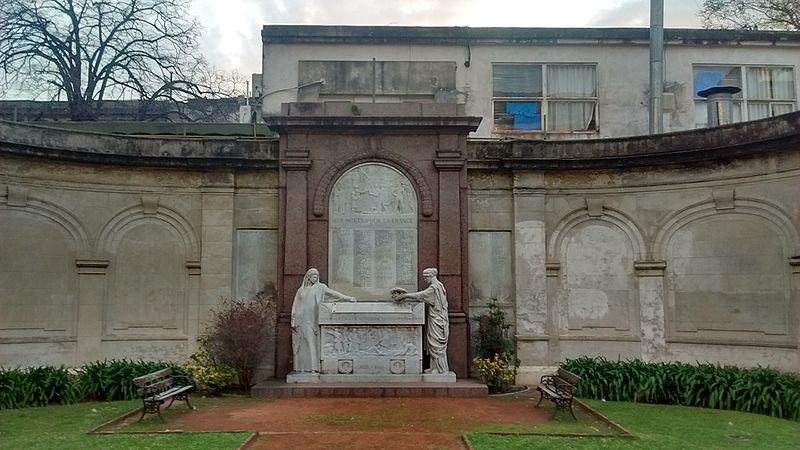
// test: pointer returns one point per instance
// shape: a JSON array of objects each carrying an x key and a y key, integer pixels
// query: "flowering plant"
[
  {"x": 497, "y": 372},
  {"x": 205, "y": 370}
]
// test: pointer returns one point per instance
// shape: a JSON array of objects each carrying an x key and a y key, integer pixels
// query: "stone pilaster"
[
  {"x": 216, "y": 240},
  {"x": 194, "y": 314},
  {"x": 530, "y": 269},
  {"x": 794, "y": 304},
  {"x": 651, "y": 309},
  {"x": 91, "y": 300}
]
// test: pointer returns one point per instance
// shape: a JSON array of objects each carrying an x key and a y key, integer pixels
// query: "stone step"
[{"x": 281, "y": 389}]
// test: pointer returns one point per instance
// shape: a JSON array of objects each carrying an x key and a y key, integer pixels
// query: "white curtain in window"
[
  {"x": 757, "y": 110},
  {"x": 770, "y": 83},
  {"x": 782, "y": 108},
  {"x": 570, "y": 116},
  {"x": 571, "y": 81}
]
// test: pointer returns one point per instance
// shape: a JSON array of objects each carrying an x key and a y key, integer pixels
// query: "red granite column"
[
  {"x": 293, "y": 259},
  {"x": 452, "y": 248}
]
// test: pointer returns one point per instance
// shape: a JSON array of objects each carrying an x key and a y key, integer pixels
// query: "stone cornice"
[
  {"x": 741, "y": 140},
  {"x": 284, "y": 124},
  {"x": 179, "y": 151}
]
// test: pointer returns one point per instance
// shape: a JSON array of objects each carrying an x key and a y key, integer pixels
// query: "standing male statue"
[
  {"x": 305, "y": 320},
  {"x": 435, "y": 297}
]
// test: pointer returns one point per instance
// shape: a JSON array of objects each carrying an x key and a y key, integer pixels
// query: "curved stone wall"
[{"x": 681, "y": 247}]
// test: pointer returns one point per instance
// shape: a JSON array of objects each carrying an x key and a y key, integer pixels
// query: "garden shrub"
[
  {"x": 495, "y": 358},
  {"x": 37, "y": 386},
  {"x": 240, "y": 332},
  {"x": 757, "y": 390},
  {"x": 206, "y": 370},
  {"x": 111, "y": 380}
]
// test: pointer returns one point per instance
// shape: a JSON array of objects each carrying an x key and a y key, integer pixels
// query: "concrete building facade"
[{"x": 533, "y": 83}]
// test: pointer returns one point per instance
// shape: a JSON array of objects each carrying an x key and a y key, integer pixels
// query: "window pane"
[
  {"x": 757, "y": 110},
  {"x": 770, "y": 83},
  {"x": 571, "y": 116},
  {"x": 710, "y": 76},
  {"x": 571, "y": 81},
  {"x": 517, "y": 80},
  {"x": 782, "y": 108},
  {"x": 517, "y": 115}
]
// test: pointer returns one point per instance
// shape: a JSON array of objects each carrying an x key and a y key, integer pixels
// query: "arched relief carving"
[
  {"x": 748, "y": 206},
  {"x": 130, "y": 216},
  {"x": 39, "y": 295},
  {"x": 727, "y": 274},
  {"x": 339, "y": 167},
  {"x": 612, "y": 216},
  {"x": 153, "y": 250},
  {"x": 595, "y": 254},
  {"x": 60, "y": 216}
]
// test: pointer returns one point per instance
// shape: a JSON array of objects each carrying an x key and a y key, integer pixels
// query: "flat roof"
[{"x": 512, "y": 35}]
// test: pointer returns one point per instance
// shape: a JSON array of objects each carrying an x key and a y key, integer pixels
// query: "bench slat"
[{"x": 146, "y": 379}]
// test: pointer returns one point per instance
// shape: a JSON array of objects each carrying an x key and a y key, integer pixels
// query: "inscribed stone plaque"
[
  {"x": 373, "y": 232},
  {"x": 256, "y": 261}
]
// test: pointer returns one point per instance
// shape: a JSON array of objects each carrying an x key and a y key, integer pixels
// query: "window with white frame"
[
  {"x": 766, "y": 90},
  {"x": 544, "y": 97}
]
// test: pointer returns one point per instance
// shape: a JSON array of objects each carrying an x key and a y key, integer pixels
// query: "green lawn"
[
  {"x": 655, "y": 427},
  {"x": 665, "y": 427},
  {"x": 65, "y": 428}
]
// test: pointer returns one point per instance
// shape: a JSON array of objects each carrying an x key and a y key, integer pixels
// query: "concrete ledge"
[{"x": 280, "y": 389}]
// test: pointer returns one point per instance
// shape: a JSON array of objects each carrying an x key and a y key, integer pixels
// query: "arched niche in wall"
[
  {"x": 148, "y": 276},
  {"x": 39, "y": 244},
  {"x": 728, "y": 279},
  {"x": 372, "y": 237},
  {"x": 597, "y": 291}
]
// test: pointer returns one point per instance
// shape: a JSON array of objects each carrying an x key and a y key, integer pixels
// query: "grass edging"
[
  {"x": 99, "y": 429},
  {"x": 603, "y": 418},
  {"x": 620, "y": 431}
]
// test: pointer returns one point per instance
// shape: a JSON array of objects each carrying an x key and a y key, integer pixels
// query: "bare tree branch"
[
  {"x": 751, "y": 14},
  {"x": 92, "y": 50}
]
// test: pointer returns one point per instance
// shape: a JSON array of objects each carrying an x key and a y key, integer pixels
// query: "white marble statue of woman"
[
  {"x": 435, "y": 297},
  {"x": 305, "y": 321}
]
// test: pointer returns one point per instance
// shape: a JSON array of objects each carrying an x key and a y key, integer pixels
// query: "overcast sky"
[{"x": 232, "y": 38}]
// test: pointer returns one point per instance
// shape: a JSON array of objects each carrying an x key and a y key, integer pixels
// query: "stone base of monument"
[
  {"x": 276, "y": 388},
  {"x": 449, "y": 377},
  {"x": 302, "y": 377}
]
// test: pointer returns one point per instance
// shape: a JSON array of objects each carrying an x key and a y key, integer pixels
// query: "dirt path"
[{"x": 363, "y": 423}]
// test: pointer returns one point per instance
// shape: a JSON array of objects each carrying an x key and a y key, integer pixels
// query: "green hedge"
[
  {"x": 102, "y": 380},
  {"x": 757, "y": 390}
]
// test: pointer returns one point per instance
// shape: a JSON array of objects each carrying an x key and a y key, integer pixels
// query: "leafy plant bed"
[{"x": 757, "y": 390}]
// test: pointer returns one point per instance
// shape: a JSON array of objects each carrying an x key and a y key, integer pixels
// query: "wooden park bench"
[
  {"x": 560, "y": 388},
  {"x": 158, "y": 387}
]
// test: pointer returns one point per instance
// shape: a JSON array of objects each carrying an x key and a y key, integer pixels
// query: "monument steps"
[{"x": 280, "y": 389}]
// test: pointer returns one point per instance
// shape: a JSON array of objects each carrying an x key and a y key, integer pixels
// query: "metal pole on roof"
[{"x": 656, "y": 66}]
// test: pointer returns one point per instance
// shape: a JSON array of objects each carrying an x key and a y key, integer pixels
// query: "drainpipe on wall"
[
  {"x": 656, "y": 66},
  {"x": 374, "y": 80}
]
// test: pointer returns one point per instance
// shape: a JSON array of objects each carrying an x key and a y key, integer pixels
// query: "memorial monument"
[{"x": 335, "y": 339}]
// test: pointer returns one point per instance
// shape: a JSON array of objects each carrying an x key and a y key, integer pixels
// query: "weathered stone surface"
[
  {"x": 373, "y": 232},
  {"x": 378, "y": 339}
]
